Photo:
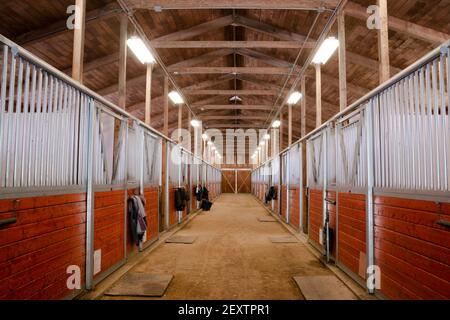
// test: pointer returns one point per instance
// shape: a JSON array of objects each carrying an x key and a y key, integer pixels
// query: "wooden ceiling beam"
[
  {"x": 232, "y": 70},
  {"x": 283, "y": 34},
  {"x": 229, "y": 44},
  {"x": 273, "y": 31},
  {"x": 232, "y": 4},
  {"x": 235, "y": 107},
  {"x": 272, "y": 61},
  {"x": 231, "y": 92},
  {"x": 240, "y": 117},
  {"x": 97, "y": 63},
  {"x": 60, "y": 27},
  {"x": 402, "y": 26},
  {"x": 204, "y": 58},
  {"x": 159, "y": 99},
  {"x": 196, "y": 30},
  {"x": 238, "y": 126}
]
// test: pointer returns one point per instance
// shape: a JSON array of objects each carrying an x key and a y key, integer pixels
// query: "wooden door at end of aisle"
[{"x": 236, "y": 181}]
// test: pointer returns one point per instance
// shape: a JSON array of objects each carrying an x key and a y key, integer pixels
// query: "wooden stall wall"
[
  {"x": 352, "y": 232},
  {"x": 331, "y": 208},
  {"x": 315, "y": 215},
  {"x": 294, "y": 205},
  {"x": 109, "y": 227},
  {"x": 283, "y": 202},
  {"x": 173, "y": 215},
  {"x": 276, "y": 201},
  {"x": 151, "y": 195},
  {"x": 35, "y": 251},
  {"x": 412, "y": 249}
]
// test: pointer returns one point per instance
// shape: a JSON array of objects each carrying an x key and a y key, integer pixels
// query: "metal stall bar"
[{"x": 370, "y": 236}]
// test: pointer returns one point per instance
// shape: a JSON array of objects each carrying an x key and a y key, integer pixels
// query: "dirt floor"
[{"x": 232, "y": 257}]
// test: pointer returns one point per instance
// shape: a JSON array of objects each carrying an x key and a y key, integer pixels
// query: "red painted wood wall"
[
  {"x": 294, "y": 205},
  {"x": 352, "y": 232},
  {"x": 49, "y": 236},
  {"x": 109, "y": 227},
  {"x": 151, "y": 209},
  {"x": 412, "y": 250},
  {"x": 283, "y": 202},
  {"x": 315, "y": 214}
]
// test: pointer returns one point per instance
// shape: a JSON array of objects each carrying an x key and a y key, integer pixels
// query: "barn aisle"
[{"x": 232, "y": 257}]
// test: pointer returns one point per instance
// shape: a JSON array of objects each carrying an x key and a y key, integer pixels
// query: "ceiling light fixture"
[
  {"x": 195, "y": 123},
  {"x": 140, "y": 50},
  {"x": 294, "y": 97},
  {"x": 176, "y": 97},
  {"x": 326, "y": 50},
  {"x": 276, "y": 124}
]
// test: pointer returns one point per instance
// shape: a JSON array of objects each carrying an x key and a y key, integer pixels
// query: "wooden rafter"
[
  {"x": 60, "y": 27},
  {"x": 232, "y": 4},
  {"x": 196, "y": 30},
  {"x": 232, "y": 92},
  {"x": 232, "y": 70},
  {"x": 235, "y": 107},
  {"x": 230, "y": 44},
  {"x": 411, "y": 29}
]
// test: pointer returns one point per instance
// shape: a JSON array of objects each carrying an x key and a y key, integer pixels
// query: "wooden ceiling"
[{"x": 214, "y": 53}]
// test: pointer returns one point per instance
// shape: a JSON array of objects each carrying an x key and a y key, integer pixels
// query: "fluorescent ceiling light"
[
  {"x": 267, "y": 136},
  {"x": 276, "y": 124},
  {"x": 294, "y": 97},
  {"x": 140, "y": 50},
  {"x": 176, "y": 97},
  {"x": 326, "y": 50},
  {"x": 195, "y": 123}
]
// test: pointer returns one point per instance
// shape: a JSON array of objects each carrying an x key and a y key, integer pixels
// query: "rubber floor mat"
[
  {"x": 267, "y": 219},
  {"x": 323, "y": 288},
  {"x": 283, "y": 239},
  {"x": 141, "y": 285},
  {"x": 181, "y": 239}
]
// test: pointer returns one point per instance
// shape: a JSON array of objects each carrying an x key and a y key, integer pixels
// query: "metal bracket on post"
[
  {"x": 90, "y": 198},
  {"x": 370, "y": 186}
]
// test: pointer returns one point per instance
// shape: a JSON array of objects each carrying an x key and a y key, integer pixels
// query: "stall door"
[{"x": 236, "y": 180}]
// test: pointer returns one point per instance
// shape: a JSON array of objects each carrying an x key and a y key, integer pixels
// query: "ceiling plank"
[
  {"x": 240, "y": 117},
  {"x": 232, "y": 70},
  {"x": 402, "y": 26},
  {"x": 97, "y": 63},
  {"x": 232, "y": 4},
  {"x": 60, "y": 27},
  {"x": 235, "y": 107},
  {"x": 207, "y": 57},
  {"x": 196, "y": 30},
  {"x": 270, "y": 60},
  {"x": 230, "y": 44},
  {"x": 231, "y": 92},
  {"x": 159, "y": 99},
  {"x": 239, "y": 125},
  {"x": 276, "y": 32}
]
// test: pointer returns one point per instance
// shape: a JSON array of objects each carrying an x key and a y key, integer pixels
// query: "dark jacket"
[
  {"x": 137, "y": 218},
  {"x": 180, "y": 199}
]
